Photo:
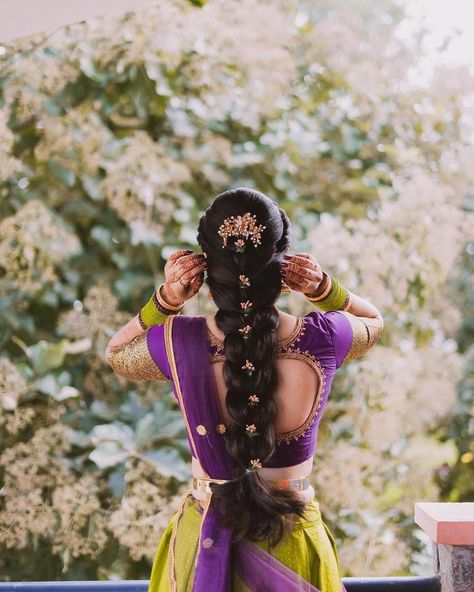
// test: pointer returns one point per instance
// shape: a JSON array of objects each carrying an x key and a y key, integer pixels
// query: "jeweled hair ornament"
[{"x": 244, "y": 226}]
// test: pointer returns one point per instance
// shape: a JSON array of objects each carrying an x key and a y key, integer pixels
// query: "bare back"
[{"x": 298, "y": 383}]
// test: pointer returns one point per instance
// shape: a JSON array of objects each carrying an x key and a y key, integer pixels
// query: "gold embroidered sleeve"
[
  {"x": 366, "y": 331},
  {"x": 133, "y": 360}
]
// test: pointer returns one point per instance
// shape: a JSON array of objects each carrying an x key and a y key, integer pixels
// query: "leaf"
[
  {"x": 103, "y": 410},
  {"x": 79, "y": 438},
  {"x": 53, "y": 386},
  {"x": 91, "y": 186},
  {"x": 113, "y": 432},
  {"x": 116, "y": 481},
  {"x": 46, "y": 356},
  {"x": 64, "y": 175},
  {"x": 90, "y": 69},
  {"x": 132, "y": 409},
  {"x": 108, "y": 454},
  {"x": 168, "y": 463}
]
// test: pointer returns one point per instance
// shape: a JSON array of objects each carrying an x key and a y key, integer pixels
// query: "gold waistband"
[{"x": 301, "y": 484}]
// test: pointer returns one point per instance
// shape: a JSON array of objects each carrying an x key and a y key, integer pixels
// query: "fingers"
[
  {"x": 188, "y": 261},
  {"x": 306, "y": 270},
  {"x": 177, "y": 254},
  {"x": 197, "y": 283},
  {"x": 301, "y": 271},
  {"x": 300, "y": 282},
  {"x": 189, "y": 275},
  {"x": 304, "y": 259}
]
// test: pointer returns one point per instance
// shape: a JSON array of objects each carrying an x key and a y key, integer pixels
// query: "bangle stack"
[
  {"x": 333, "y": 297},
  {"x": 156, "y": 310}
]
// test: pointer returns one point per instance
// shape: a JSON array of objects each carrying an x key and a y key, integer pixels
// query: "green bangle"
[
  {"x": 150, "y": 314},
  {"x": 338, "y": 298}
]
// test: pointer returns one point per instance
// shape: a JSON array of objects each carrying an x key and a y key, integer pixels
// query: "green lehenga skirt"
[{"x": 310, "y": 551}]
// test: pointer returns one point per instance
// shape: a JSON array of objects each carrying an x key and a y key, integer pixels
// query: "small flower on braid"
[
  {"x": 253, "y": 399},
  {"x": 248, "y": 366},
  {"x": 245, "y": 330},
  {"x": 255, "y": 464},
  {"x": 251, "y": 429},
  {"x": 247, "y": 306},
  {"x": 244, "y": 280}
]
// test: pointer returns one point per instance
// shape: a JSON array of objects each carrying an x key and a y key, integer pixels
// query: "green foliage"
[{"x": 109, "y": 158}]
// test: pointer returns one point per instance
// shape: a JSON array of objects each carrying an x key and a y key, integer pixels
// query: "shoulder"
[
  {"x": 331, "y": 331},
  {"x": 351, "y": 335}
]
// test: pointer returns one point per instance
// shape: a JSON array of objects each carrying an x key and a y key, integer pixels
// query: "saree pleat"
[{"x": 309, "y": 552}]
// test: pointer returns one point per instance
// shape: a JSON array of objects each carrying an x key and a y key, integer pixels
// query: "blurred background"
[{"x": 116, "y": 131}]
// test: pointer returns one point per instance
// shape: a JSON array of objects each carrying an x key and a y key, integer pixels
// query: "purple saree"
[{"x": 180, "y": 349}]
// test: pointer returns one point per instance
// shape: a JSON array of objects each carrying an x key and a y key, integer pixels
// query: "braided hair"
[{"x": 244, "y": 278}]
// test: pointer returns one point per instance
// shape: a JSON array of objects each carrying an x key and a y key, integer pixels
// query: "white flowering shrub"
[{"x": 115, "y": 134}]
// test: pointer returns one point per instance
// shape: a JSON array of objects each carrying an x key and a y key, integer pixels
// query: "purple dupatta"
[{"x": 195, "y": 390}]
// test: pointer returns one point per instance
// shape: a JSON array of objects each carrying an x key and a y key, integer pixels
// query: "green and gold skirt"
[{"x": 309, "y": 551}]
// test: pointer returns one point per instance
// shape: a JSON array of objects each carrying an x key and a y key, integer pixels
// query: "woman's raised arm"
[{"x": 127, "y": 352}]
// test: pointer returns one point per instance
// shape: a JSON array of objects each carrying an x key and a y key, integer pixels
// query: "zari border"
[
  {"x": 174, "y": 371},
  {"x": 171, "y": 560},
  {"x": 208, "y": 505}
]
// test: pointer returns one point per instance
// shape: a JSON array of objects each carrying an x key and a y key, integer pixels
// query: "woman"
[{"x": 252, "y": 383}]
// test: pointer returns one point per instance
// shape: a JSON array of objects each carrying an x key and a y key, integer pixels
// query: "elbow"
[{"x": 111, "y": 359}]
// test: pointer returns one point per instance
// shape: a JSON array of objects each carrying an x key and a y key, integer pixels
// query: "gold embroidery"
[
  {"x": 201, "y": 429},
  {"x": 206, "y": 509},
  {"x": 207, "y": 543},
  {"x": 133, "y": 360},
  {"x": 283, "y": 343},
  {"x": 366, "y": 331}
]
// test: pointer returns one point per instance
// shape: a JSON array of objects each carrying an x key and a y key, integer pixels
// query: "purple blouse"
[{"x": 322, "y": 340}]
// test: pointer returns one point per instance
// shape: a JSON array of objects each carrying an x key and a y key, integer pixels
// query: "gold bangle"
[
  {"x": 165, "y": 304},
  {"x": 325, "y": 292},
  {"x": 138, "y": 323}
]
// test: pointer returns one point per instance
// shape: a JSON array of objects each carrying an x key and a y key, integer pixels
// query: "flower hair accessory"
[
  {"x": 245, "y": 331},
  {"x": 249, "y": 367},
  {"x": 254, "y": 465},
  {"x": 246, "y": 306},
  {"x": 245, "y": 227},
  {"x": 244, "y": 281},
  {"x": 251, "y": 429}
]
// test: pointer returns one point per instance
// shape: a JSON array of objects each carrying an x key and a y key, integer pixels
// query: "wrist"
[
  {"x": 333, "y": 297},
  {"x": 321, "y": 289},
  {"x": 163, "y": 295}
]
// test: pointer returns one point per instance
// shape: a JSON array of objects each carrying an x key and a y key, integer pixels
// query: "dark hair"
[{"x": 249, "y": 504}]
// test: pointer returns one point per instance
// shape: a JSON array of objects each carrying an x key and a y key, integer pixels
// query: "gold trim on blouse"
[
  {"x": 133, "y": 360},
  {"x": 366, "y": 331},
  {"x": 282, "y": 343}
]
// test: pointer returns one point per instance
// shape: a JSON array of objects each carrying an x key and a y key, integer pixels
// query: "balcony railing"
[{"x": 396, "y": 584}]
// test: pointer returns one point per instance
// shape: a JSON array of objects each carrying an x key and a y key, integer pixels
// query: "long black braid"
[{"x": 245, "y": 282}]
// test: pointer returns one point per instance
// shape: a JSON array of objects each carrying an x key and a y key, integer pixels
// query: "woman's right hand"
[{"x": 301, "y": 272}]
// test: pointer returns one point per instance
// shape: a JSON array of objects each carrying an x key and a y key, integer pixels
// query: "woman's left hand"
[
  {"x": 301, "y": 272},
  {"x": 184, "y": 275}
]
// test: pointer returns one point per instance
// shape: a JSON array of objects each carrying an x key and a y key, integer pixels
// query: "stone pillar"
[{"x": 451, "y": 529}]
